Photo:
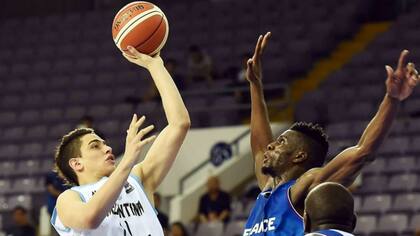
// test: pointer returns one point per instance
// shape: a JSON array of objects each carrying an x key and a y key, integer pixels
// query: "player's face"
[
  {"x": 97, "y": 157},
  {"x": 279, "y": 154}
]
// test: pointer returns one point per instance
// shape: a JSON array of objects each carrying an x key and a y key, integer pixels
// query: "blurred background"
[{"x": 60, "y": 69}]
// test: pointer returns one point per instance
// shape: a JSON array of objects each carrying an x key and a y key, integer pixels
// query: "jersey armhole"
[{"x": 138, "y": 181}]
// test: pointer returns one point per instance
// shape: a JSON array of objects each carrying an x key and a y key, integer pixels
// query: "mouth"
[
  {"x": 266, "y": 159},
  {"x": 110, "y": 158}
]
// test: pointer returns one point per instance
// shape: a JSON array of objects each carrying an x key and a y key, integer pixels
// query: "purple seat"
[
  {"x": 376, "y": 204},
  {"x": 402, "y": 182}
]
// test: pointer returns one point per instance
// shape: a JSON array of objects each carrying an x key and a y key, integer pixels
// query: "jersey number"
[{"x": 126, "y": 229}]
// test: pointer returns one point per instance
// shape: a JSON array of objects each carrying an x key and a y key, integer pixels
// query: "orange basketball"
[{"x": 141, "y": 25}]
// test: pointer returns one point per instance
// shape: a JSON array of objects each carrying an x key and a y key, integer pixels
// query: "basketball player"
[
  {"x": 288, "y": 167},
  {"x": 109, "y": 200},
  {"x": 329, "y": 211}
]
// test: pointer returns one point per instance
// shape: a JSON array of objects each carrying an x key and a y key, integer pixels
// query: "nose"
[
  {"x": 108, "y": 149},
  {"x": 270, "y": 147}
]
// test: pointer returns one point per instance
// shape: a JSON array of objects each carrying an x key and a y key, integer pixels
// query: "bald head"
[{"x": 329, "y": 206}]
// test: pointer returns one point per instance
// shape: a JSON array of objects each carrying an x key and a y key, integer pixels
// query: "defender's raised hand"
[
  {"x": 400, "y": 83},
  {"x": 253, "y": 72}
]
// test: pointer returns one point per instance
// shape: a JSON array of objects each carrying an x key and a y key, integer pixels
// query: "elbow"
[
  {"x": 92, "y": 221},
  {"x": 365, "y": 154},
  {"x": 184, "y": 123}
]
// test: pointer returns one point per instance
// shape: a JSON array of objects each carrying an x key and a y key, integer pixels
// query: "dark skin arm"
[
  {"x": 345, "y": 167},
  {"x": 261, "y": 134}
]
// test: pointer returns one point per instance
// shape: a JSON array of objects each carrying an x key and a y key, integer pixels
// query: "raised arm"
[
  {"x": 345, "y": 167},
  {"x": 261, "y": 134},
  {"x": 75, "y": 213},
  {"x": 164, "y": 150}
]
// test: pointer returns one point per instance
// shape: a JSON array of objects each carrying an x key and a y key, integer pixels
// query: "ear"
[
  {"x": 75, "y": 164},
  {"x": 300, "y": 157},
  {"x": 306, "y": 222},
  {"x": 354, "y": 221}
]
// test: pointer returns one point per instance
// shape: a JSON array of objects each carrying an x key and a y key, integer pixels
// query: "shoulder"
[
  {"x": 69, "y": 195},
  {"x": 309, "y": 175}
]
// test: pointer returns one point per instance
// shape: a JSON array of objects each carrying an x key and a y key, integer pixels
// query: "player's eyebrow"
[{"x": 96, "y": 140}]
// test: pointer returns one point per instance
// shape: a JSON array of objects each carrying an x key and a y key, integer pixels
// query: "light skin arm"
[
  {"x": 159, "y": 159},
  {"x": 261, "y": 134},
  {"x": 75, "y": 213},
  {"x": 346, "y": 166}
]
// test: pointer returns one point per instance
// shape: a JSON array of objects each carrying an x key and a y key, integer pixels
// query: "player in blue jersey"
[
  {"x": 289, "y": 166},
  {"x": 329, "y": 211}
]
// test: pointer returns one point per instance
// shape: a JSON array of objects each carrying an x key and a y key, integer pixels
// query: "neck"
[
  {"x": 83, "y": 180},
  {"x": 344, "y": 228},
  {"x": 291, "y": 174}
]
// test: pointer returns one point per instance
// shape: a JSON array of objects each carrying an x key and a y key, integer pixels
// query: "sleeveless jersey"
[
  {"x": 131, "y": 215},
  {"x": 329, "y": 232},
  {"x": 274, "y": 215}
]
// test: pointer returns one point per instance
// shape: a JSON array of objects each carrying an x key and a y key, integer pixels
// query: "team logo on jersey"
[
  {"x": 265, "y": 225},
  {"x": 128, "y": 187}
]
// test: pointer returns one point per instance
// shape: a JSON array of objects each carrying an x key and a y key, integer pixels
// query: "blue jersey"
[
  {"x": 274, "y": 215},
  {"x": 329, "y": 232}
]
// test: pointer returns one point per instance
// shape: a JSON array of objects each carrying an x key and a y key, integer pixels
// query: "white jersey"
[{"x": 132, "y": 214}]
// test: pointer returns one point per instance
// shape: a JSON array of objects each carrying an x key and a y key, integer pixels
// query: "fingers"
[
  {"x": 135, "y": 125},
  {"x": 147, "y": 140},
  {"x": 258, "y": 46},
  {"x": 389, "y": 71},
  {"x": 265, "y": 40},
  {"x": 143, "y": 132},
  {"x": 402, "y": 59}
]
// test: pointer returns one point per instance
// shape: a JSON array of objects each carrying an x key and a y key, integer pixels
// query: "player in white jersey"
[
  {"x": 329, "y": 211},
  {"x": 109, "y": 200}
]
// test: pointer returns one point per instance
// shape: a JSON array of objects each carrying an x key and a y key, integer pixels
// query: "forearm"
[
  {"x": 261, "y": 134},
  {"x": 174, "y": 107},
  {"x": 104, "y": 199},
  {"x": 379, "y": 126}
]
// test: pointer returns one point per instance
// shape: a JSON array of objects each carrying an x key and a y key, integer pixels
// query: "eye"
[
  {"x": 93, "y": 146},
  {"x": 281, "y": 141}
]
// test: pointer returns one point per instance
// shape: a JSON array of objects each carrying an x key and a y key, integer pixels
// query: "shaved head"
[{"x": 329, "y": 206}]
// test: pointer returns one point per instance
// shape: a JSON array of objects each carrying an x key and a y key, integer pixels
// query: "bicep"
[
  {"x": 72, "y": 211},
  {"x": 344, "y": 168},
  {"x": 161, "y": 156}
]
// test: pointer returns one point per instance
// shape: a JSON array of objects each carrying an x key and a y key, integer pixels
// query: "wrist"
[
  {"x": 155, "y": 65},
  {"x": 391, "y": 98},
  {"x": 256, "y": 84}
]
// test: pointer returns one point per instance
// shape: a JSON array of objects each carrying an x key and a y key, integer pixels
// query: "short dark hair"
[
  {"x": 182, "y": 227},
  {"x": 67, "y": 149},
  {"x": 20, "y": 208},
  {"x": 317, "y": 135}
]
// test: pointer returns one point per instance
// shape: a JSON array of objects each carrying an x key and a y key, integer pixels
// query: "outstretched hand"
[
  {"x": 135, "y": 140},
  {"x": 141, "y": 59},
  {"x": 400, "y": 83},
  {"x": 253, "y": 71}
]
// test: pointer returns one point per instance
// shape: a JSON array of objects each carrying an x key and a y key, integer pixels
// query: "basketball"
[{"x": 141, "y": 25}]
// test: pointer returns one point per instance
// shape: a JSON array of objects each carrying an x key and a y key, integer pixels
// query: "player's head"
[
  {"x": 195, "y": 53},
  {"x": 178, "y": 229},
  {"x": 329, "y": 206},
  {"x": 83, "y": 154},
  {"x": 213, "y": 184},
  {"x": 20, "y": 215},
  {"x": 303, "y": 146}
]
